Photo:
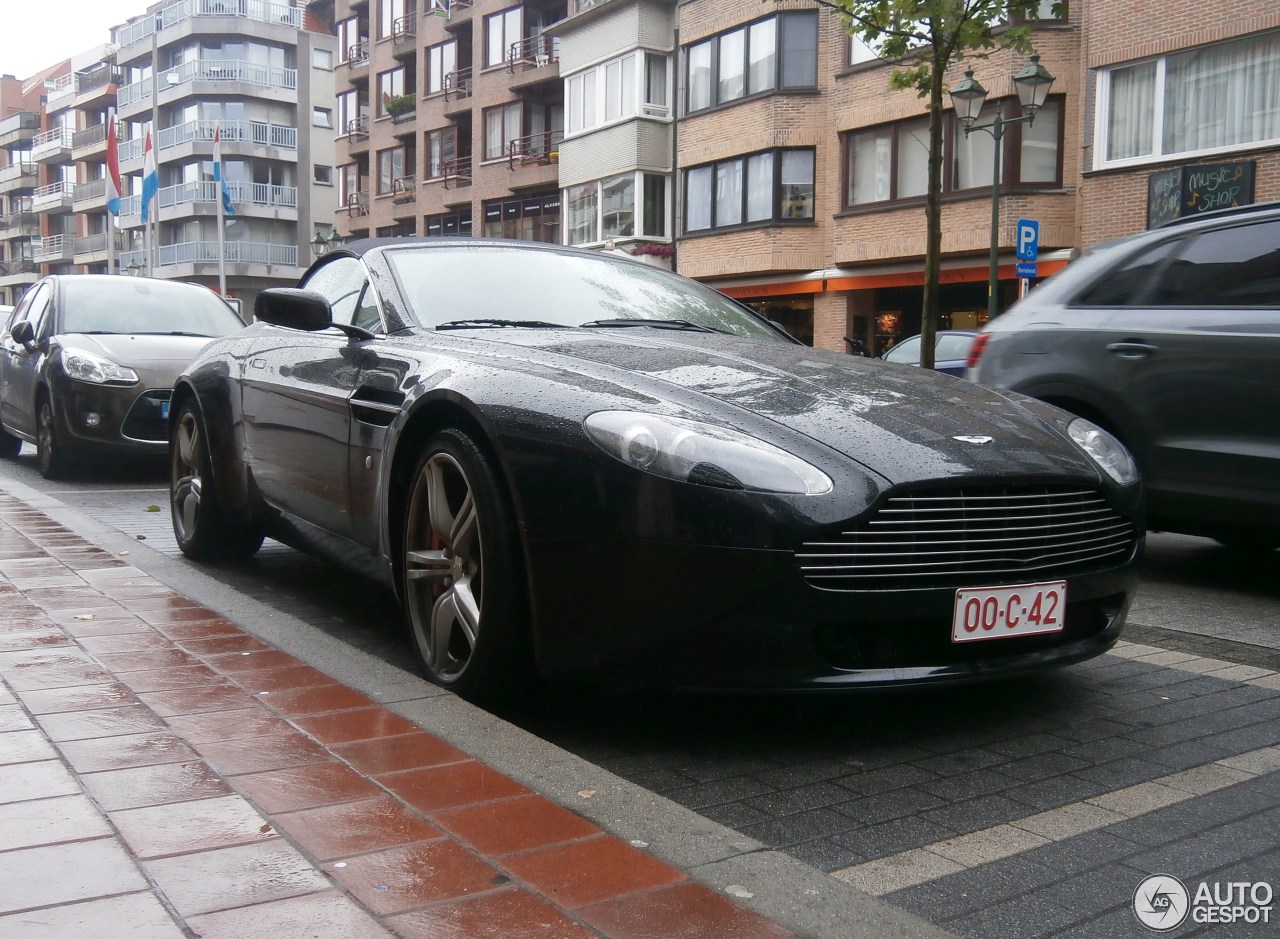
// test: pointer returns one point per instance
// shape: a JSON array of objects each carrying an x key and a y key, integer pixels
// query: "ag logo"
[{"x": 1161, "y": 902}]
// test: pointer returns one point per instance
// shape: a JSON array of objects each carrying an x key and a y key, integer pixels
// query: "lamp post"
[
  {"x": 320, "y": 245},
  {"x": 967, "y": 97}
]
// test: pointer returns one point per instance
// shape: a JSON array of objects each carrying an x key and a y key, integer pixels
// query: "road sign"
[
  {"x": 1028, "y": 240},
  {"x": 1026, "y": 269}
]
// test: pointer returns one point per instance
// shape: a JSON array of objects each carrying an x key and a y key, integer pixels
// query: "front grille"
[
  {"x": 972, "y": 535},
  {"x": 146, "y": 420}
]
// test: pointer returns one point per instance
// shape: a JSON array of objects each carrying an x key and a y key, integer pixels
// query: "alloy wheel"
[{"x": 186, "y": 478}]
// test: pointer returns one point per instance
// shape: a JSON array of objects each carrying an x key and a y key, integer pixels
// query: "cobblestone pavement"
[{"x": 1025, "y": 808}]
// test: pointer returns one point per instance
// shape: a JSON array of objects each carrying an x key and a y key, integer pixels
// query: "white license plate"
[
  {"x": 164, "y": 410},
  {"x": 998, "y": 612}
]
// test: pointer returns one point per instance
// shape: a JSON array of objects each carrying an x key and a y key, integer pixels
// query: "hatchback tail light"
[{"x": 975, "y": 350}]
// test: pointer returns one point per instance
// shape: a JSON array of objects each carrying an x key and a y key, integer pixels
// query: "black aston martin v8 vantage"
[{"x": 579, "y": 465}]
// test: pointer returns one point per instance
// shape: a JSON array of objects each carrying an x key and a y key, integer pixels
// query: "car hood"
[
  {"x": 139, "y": 351},
  {"x": 903, "y": 423}
]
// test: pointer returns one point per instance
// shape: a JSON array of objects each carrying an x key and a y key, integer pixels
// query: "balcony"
[
  {"x": 258, "y": 133},
  {"x": 55, "y": 198},
  {"x": 262, "y": 11},
  {"x": 18, "y": 176},
  {"x": 403, "y": 32},
  {"x": 457, "y": 92},
  {"x": 357, "y": 204},
  {"x": 90, "y": 141},
  {"x": 456, "y": 173},
  {"x": 52, "y": 146},
  {"x": 54, "y": 249},
  {"x": 404, "y": 190},
  {"x": 96, "y": 85},
  {"x": 18, "y": 130},
  {"x": 91, "y": 194},
  {"x": 18, "y": 271},
  {"x": 457, "y": 14},
  {"x": 61, "y": 92},
  {"x": 357, "y": 133},
  {"x": 357, "y": 55},
  {"x": 216, "y": 71},
  {"x": 21, "y": 223},
  {"x": 205, "y": 193},
  {"x": 534, "y": 52},
  {"x": 206, "y": 252},
  {"x": 92, "y": 248},
  {"x": 535, "y": 150},
  {"x": 131, "y": 150}
]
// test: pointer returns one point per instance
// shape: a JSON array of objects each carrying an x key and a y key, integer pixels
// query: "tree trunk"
[{"x": 933, "y": 217}]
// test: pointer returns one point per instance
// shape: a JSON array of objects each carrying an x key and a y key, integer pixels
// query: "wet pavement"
[{"x": 165, "y": 773}]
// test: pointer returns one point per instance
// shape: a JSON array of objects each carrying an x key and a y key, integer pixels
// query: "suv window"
[
  {"x": 1235, "y": 266},
  {"x": 1127, "y": 284}
]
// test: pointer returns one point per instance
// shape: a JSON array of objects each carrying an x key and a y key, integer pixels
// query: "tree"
[{"x": 925, "y": 38}]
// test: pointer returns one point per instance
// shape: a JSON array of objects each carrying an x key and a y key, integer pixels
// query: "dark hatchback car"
[
  {"x": 578, "y": 464},
  {"x": 950, "y": 350},
  {"x": 1171, "y": 340},
  {"x": 89, "y": 361}
]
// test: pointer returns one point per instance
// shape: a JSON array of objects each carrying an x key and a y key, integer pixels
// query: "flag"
[
  {"x": 150, "y": 179},
  {"x": 224, "y": 191},
  {"x": 113, "y": 166}
]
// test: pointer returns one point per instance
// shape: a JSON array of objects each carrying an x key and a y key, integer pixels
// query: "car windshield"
[
  {"x": 492, "y": 285},
  {"x": 130, "y": 305}
]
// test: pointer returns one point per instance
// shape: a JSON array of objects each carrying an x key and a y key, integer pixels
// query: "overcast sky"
[{"x": 37, "y": 33}]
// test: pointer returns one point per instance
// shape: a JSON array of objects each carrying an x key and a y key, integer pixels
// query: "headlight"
[
  {"x": 85, "y": 366},
  {"x": 690, "y": 451},
  {"x": 1106, "y": 450}
]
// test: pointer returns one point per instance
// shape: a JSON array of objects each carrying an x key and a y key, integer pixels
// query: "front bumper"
[{"x": 126, "y": 420}]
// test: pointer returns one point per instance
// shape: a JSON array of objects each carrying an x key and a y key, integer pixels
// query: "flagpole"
[
  {"x": 222, "y": 214},
  {"x": 154, "y": 243},
  {"x": 111, "y": 240}
]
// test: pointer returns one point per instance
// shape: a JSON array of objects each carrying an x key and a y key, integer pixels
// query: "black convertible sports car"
[{"x": 580, "y": 464}]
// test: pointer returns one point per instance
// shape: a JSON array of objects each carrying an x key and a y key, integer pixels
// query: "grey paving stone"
[
  {"x": 878, "y": 757},
  {"x": 799, "y": 799},
  {"x": 1055, "y": 791},
  {"x": 826, "y": 855},
  {"x": 717, "y": 793},
  {"x": 706, "y": 771},
  {"x": 1030, "y": 745},
  {"x": 658, "y": 780},
  {"x": 802, "y": 773},
  {"x": 1213, "y": 848},
  {"x": 734, "y": 814},
  {"x": 881, "y": 780},
  {"x": 1087, "y": 852},
  {"x": 1044, "y": 765},
  {"x": 969, "y": 785},
  {"x": 1242, "y": 739},
  {"x": 1096, "y": 729},
  {"x": 1120, "y": 773},
  {"x": 885, "y": 806},
  {"x": 894, "y": 837},
  {"x": 794, "y": 829},
  {"x": 1111, "y": 748},
  {"x": 1013, "y": 919},
  {"x": 1189, "y": 753},
  {"x": 967, "y": 891},
  {"x": 975, "y": 814},
  {"x": 960, "y": 761}
]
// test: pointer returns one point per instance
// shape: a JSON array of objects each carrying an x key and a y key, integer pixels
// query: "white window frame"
[
  {"x": 639, "y": 224},
  {"x": 590, "y": 94}
]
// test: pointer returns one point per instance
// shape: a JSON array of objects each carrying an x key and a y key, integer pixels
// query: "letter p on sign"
[{"x": 1028, "y": 239}]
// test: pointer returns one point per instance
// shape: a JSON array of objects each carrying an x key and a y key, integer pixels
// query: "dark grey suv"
[{"x": 1171, "y": 340}]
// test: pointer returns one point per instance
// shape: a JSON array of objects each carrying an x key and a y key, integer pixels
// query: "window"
[
  {"x": 349, "y": 37},
  {"x": 343, "y": 284},
  {"x": 322, "y": 58},
  {"x": 766, "y": 187},
  {"x": 391, "y": 11},
  {"x": 501, "y": 31},
  {"x": 1199, "y": 101},
  {"x": 321, "y": 117},
  {"x": 1233, "y": 266},
  {"x": 448, "y": 223},
  {"x": 891, "y": 162},
  {"x": 442, "y": 151},
  {"x": 348, "y": 111},
  {"x": 617, "y": 207},
  {"x": 322, "y": 175},
  {"x": 441, "y": 60},
  {"x": 502, "y": 130},
  {"x": 631, "y": 85},
  {"x": 533, "y": 217},
  {"x": 348, "y": 183},
  {"x": 391, "y": 166},
  {"x": 780, "y": 52},
  {"x": 390, "y": 85}
]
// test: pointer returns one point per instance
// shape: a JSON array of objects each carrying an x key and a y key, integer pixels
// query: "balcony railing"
[
  {"x": 404, "y": 189},
  {"x": 535, "y": 51},
  {"x": 21, "y": 223},
  {"x": 580, "y": 6},
  {"x": 457, "y": 84},
  {"x": 52, "y": 248},
  {"x": 456, "y": 172},
  {"x": 48, "y": 196},
  {"x": 15, "y": 266},
  {"x": 63, "y": 86},
  {"x": 357, "y": 204},
  {"x": 358, "y": 54},
  {"x": 536, "y": 149},
  {"x": 90, "y": 136},
  {"x": 263, "y": 11},
  {"x": 16, "y": 171},
  {"x": 51, "y": 141},
  {"x": 94, "y": 244},
  {"x": 256, "y": 132},
  {"x": 358, "y": 127},
  {"x": 132, "y": 149},
  {"x": 205, "y": 192},
  {"x": 87, "y": 192},
  {"x": 97, "y": 77},
  {"x": 212, "y": 70},
  {"x": 206, "y": 252},
  {"x": 405, "y": 28}
]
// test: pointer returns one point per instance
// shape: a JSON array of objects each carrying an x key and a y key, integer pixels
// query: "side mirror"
[
  {"x": 23, "y": 333},
  {"x": 293, "y": 308}
]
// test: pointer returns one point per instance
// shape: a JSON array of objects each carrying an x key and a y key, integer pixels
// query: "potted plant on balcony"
[
  {"x": 655, "y": 253},
  {"x": 400, "y": 107}
]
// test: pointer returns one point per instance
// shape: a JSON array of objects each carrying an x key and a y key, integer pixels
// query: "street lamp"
[
  {"x": 967, "y": 97},
  {"x": 134, "y": 269},
  {"x": 320, "y": 245}
]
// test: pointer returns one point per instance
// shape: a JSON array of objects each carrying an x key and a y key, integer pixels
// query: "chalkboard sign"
[{"x": 1190, "y": 190}]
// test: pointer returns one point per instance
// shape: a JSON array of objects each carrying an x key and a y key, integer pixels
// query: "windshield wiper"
[
  {"x": 655, "y": 324},
  {"x": 487, "y": 323}
]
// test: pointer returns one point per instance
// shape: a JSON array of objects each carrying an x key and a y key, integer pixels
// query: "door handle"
[{"x": 1131, "y": 349}]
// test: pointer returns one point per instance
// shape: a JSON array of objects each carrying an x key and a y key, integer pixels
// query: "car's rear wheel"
[
  {"x": 463, "y": 576},
  {"x": 201, "y": 525},
  {"x": 51, "y": 447}
]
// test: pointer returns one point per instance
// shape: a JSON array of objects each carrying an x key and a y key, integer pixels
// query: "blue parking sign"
[{"x": 1028, "y": 239}]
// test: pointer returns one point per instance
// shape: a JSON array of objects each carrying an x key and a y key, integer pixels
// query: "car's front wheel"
[
  {"x": 201, "y": 525},
  {"x": 51, "y": 448},
  {"x": 462, "y": 572}
]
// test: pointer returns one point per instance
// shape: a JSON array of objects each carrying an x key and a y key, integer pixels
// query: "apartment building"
[
  {"x": 760, "y": 149},
  {"x": 20, "y": 122}
]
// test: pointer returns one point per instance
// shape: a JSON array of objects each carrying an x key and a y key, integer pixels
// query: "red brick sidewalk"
[{"x": 160, "y": 768}]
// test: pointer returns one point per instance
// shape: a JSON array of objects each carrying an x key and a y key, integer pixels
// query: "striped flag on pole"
[
  {"x": 224, "y": 191},
  {"x": 150, "y": 179},
  {"x": 113, "y": 166}
]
